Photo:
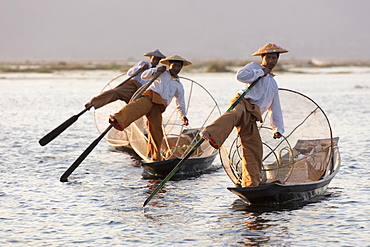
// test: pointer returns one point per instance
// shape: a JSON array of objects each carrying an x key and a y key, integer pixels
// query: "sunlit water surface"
[{"x": 102, "y": 203}]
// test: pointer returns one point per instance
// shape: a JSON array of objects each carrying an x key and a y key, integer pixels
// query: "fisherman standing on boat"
[
  {"x": 154, "y": 101},
  {"x": 264, "y": 96},
  {"x": 125, "y": 91}
]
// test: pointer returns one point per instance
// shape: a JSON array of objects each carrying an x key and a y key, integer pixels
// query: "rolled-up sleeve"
[
  {"x": 148, "y": 74},
  {"x": 249, "y": 73},
  {"x": 136, "y": 67}
]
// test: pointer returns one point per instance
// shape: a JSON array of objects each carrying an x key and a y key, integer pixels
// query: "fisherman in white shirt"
[
  {"x": 168, "y": 87},
  {"x": 154, "y": 60},
  {"x": 265, "y": 93},
  {"x": 125, "y": 91},
  {"x": 264, "y": 96},
  {"x": 154, "y": 101}
]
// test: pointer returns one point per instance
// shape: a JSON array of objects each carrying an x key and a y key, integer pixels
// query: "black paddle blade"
[
  {"x": 58, "y": 130},
  {"x": 64, "y": 177}
]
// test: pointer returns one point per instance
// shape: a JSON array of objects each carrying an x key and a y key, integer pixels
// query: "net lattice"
[
  {"x": 201, "y": 109},
  {"x": 302, "y": 155}
]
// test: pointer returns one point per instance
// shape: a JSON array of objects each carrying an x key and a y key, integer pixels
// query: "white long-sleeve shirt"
[
  {"x": 168, "y": 88},
  {"x": 265, "y": 93},
  {"x": 135, "y": 68}
]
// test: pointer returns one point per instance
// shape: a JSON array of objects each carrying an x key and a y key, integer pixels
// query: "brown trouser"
[
  {"x": 243, "y": 117},
  {"x": 123, "y": 92},
  {"x": 151, "y": 105}
]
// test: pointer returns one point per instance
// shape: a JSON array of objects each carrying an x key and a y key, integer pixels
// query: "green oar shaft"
[
  {"x": 174, "y": 170},
  {"x": 242, "y": 95},
  {"x": 177, "y": 167}
]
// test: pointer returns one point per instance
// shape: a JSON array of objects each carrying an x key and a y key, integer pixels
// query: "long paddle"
[
  {"x": 58, "y": 130},
  {"x": 135, "y": 74},
  {"x": 64, "y": 177},
  {"x": 78, "y": 161},
  {"x": 191, "y": 151}
]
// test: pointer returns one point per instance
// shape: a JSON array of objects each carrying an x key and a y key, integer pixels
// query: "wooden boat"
[
  {"x": 297, "y": 188},
  {"x": 290, "y": 174},
  {"x": 178, "y": 139},
  {"x": 193, "y": 167},
  {"x": 199, "y": 163}
]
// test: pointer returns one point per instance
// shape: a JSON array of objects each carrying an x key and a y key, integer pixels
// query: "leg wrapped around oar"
[{"x": 198, "y": 145}]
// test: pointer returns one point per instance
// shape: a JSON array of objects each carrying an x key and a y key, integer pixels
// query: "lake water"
[{"x": 102, "y": 203}]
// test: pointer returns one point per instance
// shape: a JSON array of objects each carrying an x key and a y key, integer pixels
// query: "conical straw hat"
[
  {"x": 269, "y": 48},
  {"x": 175, "y": 58},
  {"x": 155, "y": 53}
]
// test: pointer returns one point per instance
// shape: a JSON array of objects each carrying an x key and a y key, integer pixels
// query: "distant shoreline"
[{"x": 212, "y": 65}]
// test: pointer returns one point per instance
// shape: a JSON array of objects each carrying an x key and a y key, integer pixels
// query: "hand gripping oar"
[
  {"x": 135, "y": 74},
  {"x": 58, "y": 130},
  {"x": 78, "y": 161},
  {"x": 191, "y": 151}
]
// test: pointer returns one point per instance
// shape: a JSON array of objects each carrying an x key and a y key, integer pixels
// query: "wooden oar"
[
  {"x": 145, "y": 87},
  {"x": 135, "y": 74},
  {"x": 64, "y": 177},
  {"x": 58, "y": 130},
  {"x": 191, "y": 151},
  {"x": 78, "y": 161}
]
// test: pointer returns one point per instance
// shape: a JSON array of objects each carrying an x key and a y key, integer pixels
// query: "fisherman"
[
  {"x": 154, "y": 101},
  {"x": 126, "y": 90},
  {"x": 264, "y": 96}
]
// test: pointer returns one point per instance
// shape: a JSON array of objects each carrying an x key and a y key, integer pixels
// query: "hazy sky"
[{"x": 194, "y": 29}]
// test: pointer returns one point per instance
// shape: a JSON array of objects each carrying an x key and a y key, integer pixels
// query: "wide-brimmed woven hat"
[
  {"x": 175, "y": 58},
  {"x": 269, "y": 48},
  {"x": 155, "y": 53}
]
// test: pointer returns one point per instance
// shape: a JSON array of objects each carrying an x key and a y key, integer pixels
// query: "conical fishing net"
[
  {"x": 201, "y": 110},
  {"x": 114, "y": 137},
  {"x": 302, "y": 155}
]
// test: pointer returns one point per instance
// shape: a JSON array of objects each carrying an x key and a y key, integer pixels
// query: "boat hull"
[
  {"x": 191, "y": 167},
  {"x": 274, "y": 193},
  {"x": 279, "y": 194}
]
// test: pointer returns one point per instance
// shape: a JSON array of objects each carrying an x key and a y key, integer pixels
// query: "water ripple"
[{"x": 101, "y": 205}]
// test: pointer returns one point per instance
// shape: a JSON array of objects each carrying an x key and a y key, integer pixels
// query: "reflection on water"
[
  {"x": 240, "y": 205},
  {"x": 260, "y": 220},
  {"x": 148, "y": 174},
  {"x": 102, "y": 203}
]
